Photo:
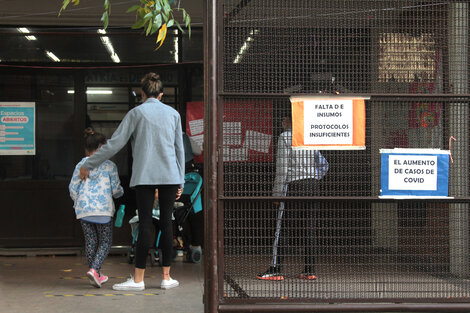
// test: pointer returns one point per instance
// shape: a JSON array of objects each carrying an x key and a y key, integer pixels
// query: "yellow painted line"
[
  {"x": 69, "y": 295},
  {"x": 108, "y": 295},
  {"x": 88, "y": 295},
  {"x": 49, "y": 296},
  {"x": 129, "y": 294}
]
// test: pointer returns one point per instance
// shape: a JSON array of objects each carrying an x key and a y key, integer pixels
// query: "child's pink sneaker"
[
  {"x": 103, "y": 279},
  {"x": 94, "y": 278}
]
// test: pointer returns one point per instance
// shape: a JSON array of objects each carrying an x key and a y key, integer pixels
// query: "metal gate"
[{"x": 367, "y": 253}]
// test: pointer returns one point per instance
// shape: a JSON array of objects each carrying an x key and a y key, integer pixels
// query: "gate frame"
[{"x": 213, "y": 203}]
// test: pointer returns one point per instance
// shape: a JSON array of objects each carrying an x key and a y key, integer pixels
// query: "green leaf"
[
  {"x": 64, "y": 5},
  {"x": 179, "y": 26},
  {"x": 133, "y": 8},
  {"x": 166, "y": 17},
  {"x": 158, "y": 21},
  {"x": 143, "y": 1},
  {"x": 148, "y": 15},
  {"x": 170, "y": 23},
  {"x": 149, "y": 27},
  {"x": 155, "y": 27},
  {"x": 106, "y": 4},
  {"x": 188, "y": 21},
  {"x": 105, "y": 20},
  {"x": 138, "y": 24},
  {"x": 167, "y": 6}
]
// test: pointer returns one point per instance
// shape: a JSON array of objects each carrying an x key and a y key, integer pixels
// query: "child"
[{"x": 94, "y": 206}]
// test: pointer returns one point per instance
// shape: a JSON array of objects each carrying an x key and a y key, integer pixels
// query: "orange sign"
[{"x": 328, "y": 123}]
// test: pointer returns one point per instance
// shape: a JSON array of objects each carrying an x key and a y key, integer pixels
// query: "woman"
[{"x": 158, "y": 162}]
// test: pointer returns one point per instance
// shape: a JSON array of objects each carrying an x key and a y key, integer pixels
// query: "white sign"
[
  {"x": 232, "y": 128},
  {"x": 196, "y": 126},
  {"x": 412, "y": 172},
  {"x": 257, "y": 141},
  {"x": 17, "y": 128},
  {"x": 328, "y": 121}
]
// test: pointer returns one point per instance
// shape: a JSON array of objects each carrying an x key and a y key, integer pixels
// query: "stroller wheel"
[{"x": 194, "y": 254}]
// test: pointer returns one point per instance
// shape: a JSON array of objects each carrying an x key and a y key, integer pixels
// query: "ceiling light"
[
  {"x": 109, "y": 46},
  {"x": 52, "y": 56},
  {"x": 24, "y": 30},
  {"x": 94, "y": 92},
  {"x": 245, "y": 46},
  {"x": 176, "y": 45}
]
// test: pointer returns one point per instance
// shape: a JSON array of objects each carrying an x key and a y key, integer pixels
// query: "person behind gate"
[
  {"x": 296, "y": 174},
  {"x": 158, "y": 162}
]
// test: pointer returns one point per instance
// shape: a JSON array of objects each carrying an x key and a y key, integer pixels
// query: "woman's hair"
[
  {"x": 152, "y": 85},
  {"x": 93, "y": 140}
]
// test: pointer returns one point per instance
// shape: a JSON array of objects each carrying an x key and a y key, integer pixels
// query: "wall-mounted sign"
[
  {"x": 17, "y": 128},
  {"x": 195, "y": 125},
  {"x": 328, "y": 123},
  {"x": 414, "y": 173}
]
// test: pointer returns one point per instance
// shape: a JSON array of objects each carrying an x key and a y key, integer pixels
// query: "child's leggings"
[{"x": 98, "y": 240}]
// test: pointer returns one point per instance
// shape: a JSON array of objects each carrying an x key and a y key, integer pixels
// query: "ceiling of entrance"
[{"x": 88, "y": 13}]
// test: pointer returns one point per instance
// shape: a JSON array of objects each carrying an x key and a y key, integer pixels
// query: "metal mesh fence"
[
  {"x": 412, "y": 56},
  {"x": 374, "y": 252},
  {"x": 251, "y": 129},
  {"x": 359, "y": 248},
  {"x": 355, "y": 46}
]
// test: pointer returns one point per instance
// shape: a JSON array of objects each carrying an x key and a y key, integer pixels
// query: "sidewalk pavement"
[{"x": 59, "y": 284}]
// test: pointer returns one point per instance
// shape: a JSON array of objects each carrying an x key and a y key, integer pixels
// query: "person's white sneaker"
[
  {"x": 168, "y": 284},
  {"x": 130, "y": 285}
]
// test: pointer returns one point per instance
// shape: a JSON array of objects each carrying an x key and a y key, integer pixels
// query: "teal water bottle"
[{"x": 119, "y": 216}]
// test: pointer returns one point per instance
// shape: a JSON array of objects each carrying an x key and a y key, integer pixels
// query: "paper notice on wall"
[
  {"x": 226, "y": 152},
  {"x": 232, "y": 139},
  {"x": 238, "y": 154},
  {"x": 232, "y": 127},
  {"x": 257, "y": 141},
  {"x": 196, "y": 126},
  {"x": 199, "y": 139},
  {"x": 414, "y": 173},
  {"x": 17, "y": 128},
  {"x": 328, "y": 123}
]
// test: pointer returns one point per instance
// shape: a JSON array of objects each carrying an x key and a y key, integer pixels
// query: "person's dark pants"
[
  {"x": 298, "y": 226},
  {"x": 145, "y": 196}
]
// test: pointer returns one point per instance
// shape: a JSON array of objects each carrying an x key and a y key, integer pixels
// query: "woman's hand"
[
  {"x": 84, "y": 173},
  {"x": 178, "y": 193}
]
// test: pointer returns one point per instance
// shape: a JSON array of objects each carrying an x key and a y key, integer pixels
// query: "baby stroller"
[
  {"x": 185, "y": 208},
  {"x": 134, "y": 222},
  {"x": 188, "y": 228}
]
